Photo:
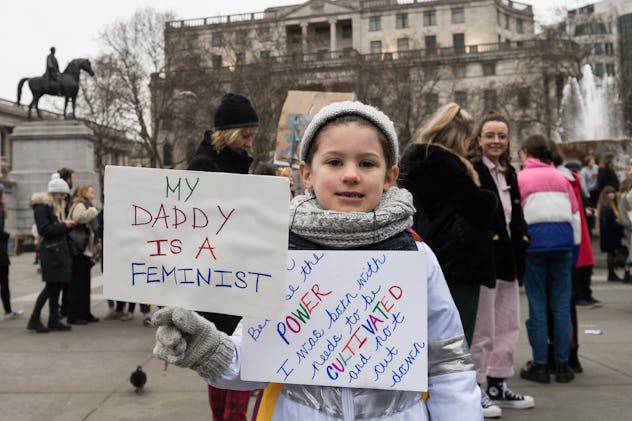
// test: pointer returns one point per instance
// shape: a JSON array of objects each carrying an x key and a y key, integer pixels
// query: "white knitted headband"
[{"x": 338, "y": 109}]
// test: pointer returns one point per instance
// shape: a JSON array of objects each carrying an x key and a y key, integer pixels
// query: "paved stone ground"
[{"x": 84, "y": 374}]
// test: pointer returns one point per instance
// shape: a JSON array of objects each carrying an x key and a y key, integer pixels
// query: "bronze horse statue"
[{"x": 66, "y": 86}]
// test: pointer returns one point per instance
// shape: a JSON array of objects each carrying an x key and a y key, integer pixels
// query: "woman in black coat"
[
  {"x": 225, "y": 149},
  {"x": 453, "y": 214},
  {"x": 55, "y": 256}
]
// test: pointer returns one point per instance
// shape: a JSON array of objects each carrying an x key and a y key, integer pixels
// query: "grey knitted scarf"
[{"x": 392, "y": 215}]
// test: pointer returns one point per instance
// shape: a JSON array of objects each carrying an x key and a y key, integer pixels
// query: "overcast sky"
[{"x": 28, "y": 28}]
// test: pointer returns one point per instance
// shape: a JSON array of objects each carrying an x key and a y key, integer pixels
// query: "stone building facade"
[{"x": 406, "y": 57}]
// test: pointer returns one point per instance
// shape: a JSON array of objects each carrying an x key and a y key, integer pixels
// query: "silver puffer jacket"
[{"x": 452, "y": 389}]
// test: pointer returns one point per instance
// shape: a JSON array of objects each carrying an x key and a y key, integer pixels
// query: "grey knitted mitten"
[{"x": 186, "y": 339}]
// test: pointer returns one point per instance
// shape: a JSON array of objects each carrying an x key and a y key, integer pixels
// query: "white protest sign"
[
  {"x": 203, "y": 241},
  {"x": 351, "y": 319}
]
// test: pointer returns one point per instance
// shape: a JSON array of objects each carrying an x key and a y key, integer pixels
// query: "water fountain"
[
  {"x": 590, "y": 109},
  {"x": 591, "y": 120}
]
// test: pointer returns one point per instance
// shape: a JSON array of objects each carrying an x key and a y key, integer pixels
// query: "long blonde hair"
[
  {"x": 222, "y": 138},
  {"x": 80, "y": 194},
  {"x": 450, "y": 128}
]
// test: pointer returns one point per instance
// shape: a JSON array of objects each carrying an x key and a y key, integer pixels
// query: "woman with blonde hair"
[
  {"x": 225, "y": 149},
  {"x": 55, "y": 256},
  {"x": 453, "y": 214},
  {"x": 83, "y": 212}
]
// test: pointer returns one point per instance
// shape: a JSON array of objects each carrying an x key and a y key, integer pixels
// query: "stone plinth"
[{"x": 39, "y": 149}]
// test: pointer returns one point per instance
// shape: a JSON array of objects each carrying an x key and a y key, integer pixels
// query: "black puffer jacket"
[
  {"x": 55, "y": 256},
  {"x": 454, "y": 215},
  {"x": 207, "y": 159},
  {"x": 509, "y": 253}
]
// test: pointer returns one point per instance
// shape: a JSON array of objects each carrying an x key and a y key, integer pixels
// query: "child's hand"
[{"x": 186, "y": 339}]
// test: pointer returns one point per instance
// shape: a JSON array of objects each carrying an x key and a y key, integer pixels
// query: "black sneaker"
[
  {"x": 37, "y": 326},
  {"x": 595, "y": 302},
  {"x": 563, "y": 373},
  {"x": 583, "y": 303},
  {"x": 57, "y": 325},
  {"x": 504, "y": 397},
  {"x": 536, "y": 372}
]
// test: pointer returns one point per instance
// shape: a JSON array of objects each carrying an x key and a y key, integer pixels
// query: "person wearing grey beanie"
[
  {"x": 55, "y": 257},
  {"x": 349, "y": 164}
]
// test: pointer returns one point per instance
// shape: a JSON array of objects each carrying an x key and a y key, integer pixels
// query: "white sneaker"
[
  {"x": 489, "y": 409},
  {"x": 13, "y": 315}
]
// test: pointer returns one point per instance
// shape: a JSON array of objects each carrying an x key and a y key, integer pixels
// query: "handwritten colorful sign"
[
  {"x": 203, "y": 241},
  {"x": 350, "y": 319}
]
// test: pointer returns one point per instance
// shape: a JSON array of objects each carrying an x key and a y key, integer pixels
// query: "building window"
[
  {"x": 217, "y": 60},
  {"x": 430, "y": 18},
  {"x": 322, "y": 33},
  {"x": 167, "y": 154},
  {"x": 264, "y": 34},
  {"x": 217, "y": 39},
  {"x": 431, "y": 44},
  {"x": 597, "y": 48},
  {"x": 347, "y": 31},
  {"x": 519, "y": 28},
  {"x": 506, "y": 21},
  {"x": 431, "y": 73},
  {"x": 375, "y": 23},
  {"x": 376, "y": 47},
  {"x": 610, "y": 69},
  {"x": 609, "y": 47},
  {"x": 460, "y": 97},
  {"x": 432, "y": 102},
  {"x": 240, "y": 37},
  {"x": 587, "y": 48},
  {"x": 599, "y": 69},
  {"x": 401, "y": 20},
  {"x": 460, "y": 71},
  {"x": 402, "y": 44},
  {"x": 489, "y": 68},
  {"x": 458, "y": 15},
  {"x": 523, "y": 98},
  {"x": 489, "y": 99},
  {"x": 458, "y": 41},
  {"x": 240, "y": 58}
]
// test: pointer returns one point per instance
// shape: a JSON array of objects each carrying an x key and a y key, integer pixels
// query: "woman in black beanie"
[{"x": 224, "y": 149}]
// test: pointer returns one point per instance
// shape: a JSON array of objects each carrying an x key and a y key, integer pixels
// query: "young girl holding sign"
[{"x": 349, "y": 166}]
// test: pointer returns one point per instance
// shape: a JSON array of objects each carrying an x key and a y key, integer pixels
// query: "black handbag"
[{"x": 78, "y": 237}]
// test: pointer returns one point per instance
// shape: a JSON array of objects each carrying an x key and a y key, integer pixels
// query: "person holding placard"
[
  {"x": 349, "y": 166},
  {"x": 55, "y": 256},
  {"x": 225, "y": 149}
]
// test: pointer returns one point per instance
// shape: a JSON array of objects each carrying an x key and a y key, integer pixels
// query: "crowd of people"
[{"x": 487, "y": 224}]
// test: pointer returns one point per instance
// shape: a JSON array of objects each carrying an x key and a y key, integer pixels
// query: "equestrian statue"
[{"x": 64, "y": 84}]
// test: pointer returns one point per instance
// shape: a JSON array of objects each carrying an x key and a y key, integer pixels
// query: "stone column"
[
  {"x": 332, "y": 37},
  {"x": 39, "y": 149},
  {"x": 304, "y": 39}
]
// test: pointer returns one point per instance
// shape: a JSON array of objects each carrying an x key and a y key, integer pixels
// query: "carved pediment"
[{"x": 318, "y": 7}]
